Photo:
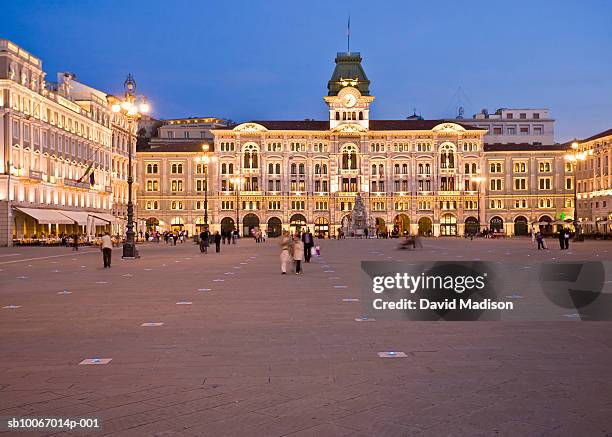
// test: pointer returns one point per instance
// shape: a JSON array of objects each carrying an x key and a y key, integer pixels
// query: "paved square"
[{"x": 264, "y": 354}]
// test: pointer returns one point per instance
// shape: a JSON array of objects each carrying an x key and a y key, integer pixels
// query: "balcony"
[
  {"x": 38, "y": 175},
  {"x": 75, "y": 184}
]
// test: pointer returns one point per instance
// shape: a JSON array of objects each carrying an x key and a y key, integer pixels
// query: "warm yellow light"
[
  {"x": 116, "y": 107},
  {"x": 126, "y": 105},
  {"x": 205, "y": 147},
  {"x": 575, "y": 145},
  {"x": 132, "y": 110},
  {"x": 144, "y": 107},
  {"x": 205, "y": 159},
  {"x": 198, "y": 159}
]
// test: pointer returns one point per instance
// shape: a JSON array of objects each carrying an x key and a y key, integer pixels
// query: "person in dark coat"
[
  {"x": 217, "y": 242},
  {"x": 204, "y": 237},
  {"x": 566, "y": 237},
  {"x": 308, "y": 244}
]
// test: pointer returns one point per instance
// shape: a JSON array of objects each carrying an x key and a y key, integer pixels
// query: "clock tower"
[{"x": 348, "y": 96}]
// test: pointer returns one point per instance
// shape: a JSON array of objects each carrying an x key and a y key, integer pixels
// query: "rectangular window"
[
  {"x": 496, "y": 184},
  {"x": 544, "y": 183},
  {"x": 520, "y": 183}
]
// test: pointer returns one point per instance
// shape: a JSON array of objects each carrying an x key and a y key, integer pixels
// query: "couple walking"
[{"x": 296, "y": 249}]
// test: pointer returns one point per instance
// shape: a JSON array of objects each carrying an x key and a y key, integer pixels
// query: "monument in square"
[{"x": 357, "y": 223}]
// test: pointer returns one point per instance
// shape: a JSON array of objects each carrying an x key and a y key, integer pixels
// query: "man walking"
[
  {"x": 217, "y": 242},
  {"x": 562, "y": 238},
  {"x": 107, "y": 249},
  {"x": 308, "y": 244},
  {"x": 204, "y": 236},
  {"x": 566, "y": 237}
]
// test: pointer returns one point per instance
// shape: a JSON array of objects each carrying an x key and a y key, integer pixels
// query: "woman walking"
[
  {"x": 285, "y": 254},
  {"x": 298, "y": 254}
]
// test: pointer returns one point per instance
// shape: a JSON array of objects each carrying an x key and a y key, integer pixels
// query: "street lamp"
[
  {"x": 478, "y": 180},
  {"x": 133, "y": 107},
  {"x": 206, "y": 158},
  {"x": 237, "y": 183},
  {"x": 574, "y": 156}
]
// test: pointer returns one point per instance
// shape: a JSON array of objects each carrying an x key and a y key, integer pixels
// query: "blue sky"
[{"x": 272, "y": 59}]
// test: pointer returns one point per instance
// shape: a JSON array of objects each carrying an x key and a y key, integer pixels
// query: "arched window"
[
  {"x": 149, "y": 168},
  {"x": 447, "y": 156},
  {"x": 337, "y": 115},
  {"x": 317, "y": 169},
  {"x": 404, "y": 168},
  {"x": 474, "y": 168},
  {"x": 224, "y": 168},
  {"x": 173, "y": 169},
  {"x": 301, "y": 169},
  {"x": 360, "y": 115},
  {"x": 293, "y": 168},
  {"x": 180, "y": 168},
  {"x": 420, "y": 168},
  {"x": 349, "y": 157},
  {"x": 270, "y": 168},
  {"x": 277, "y": 168},
  {"x": 251, "y": 155},
  {"x": 427, "y": 168},
  {"x": 373, "y": 169},
  {"x": 324, "y": 168}
]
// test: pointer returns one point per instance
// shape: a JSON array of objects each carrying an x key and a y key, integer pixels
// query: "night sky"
[{"x": 272, "y": 59}]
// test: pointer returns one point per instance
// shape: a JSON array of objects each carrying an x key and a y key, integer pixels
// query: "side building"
[
  {"x": 412, "y": 176},
  {"x": 58, "y": 159},
  {"x": 594, "y": 190}
]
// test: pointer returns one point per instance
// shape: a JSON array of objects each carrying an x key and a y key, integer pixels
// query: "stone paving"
[{"x": 245, "y": 351}]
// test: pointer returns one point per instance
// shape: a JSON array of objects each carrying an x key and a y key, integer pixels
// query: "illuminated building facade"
[
  {"x": 594, "y": 190},
  {"x": 413, "y": 175},
  {"x": 62, "y": 154}
]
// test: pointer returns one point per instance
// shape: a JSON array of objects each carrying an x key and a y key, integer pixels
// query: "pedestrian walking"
[
  {"x": 75, "y": 241},
  {"x": 540, "y": 240},
  {"x": 107, "y": 249},
  {"x": 204, "y": 241},
  {"x": 308, "y": 241},
  {"x": 217, "y": 242},
  {"x": 566, "y": 237},
  {"x": 175, "y": 238},
  {"x": 234, "y": 236},
  {"x": 562, "y": 238},
  {"x": 298, "y": 254},
  {"x": 285, "y": 254}
]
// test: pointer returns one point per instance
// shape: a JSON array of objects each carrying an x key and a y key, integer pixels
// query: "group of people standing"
[
  {"x": 297, "y": 248},
  {"x": 563, "y": 236}
]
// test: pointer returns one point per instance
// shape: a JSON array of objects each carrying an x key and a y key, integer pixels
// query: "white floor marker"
[
  {"x": 11, "y": 307},
  {"x": 218, "y": 280},
  {"x": 340, "y": 286},
  {"x": 153, "y": 324},
  {"x": 365, "y": 319},
  {"x": 22, "y": 277},
  {"x": 350, "y": 299},
  {"x": 101, "y": 282},
  {"x": 64, "y": 292},
  {"x": 204, "y": 289},
  {"x": 95, "y": 361},
  {"x": 392, "y": 354},
  {"x": 183, "y": 302}
]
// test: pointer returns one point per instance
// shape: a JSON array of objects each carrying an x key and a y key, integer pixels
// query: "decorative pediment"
[
  {"x": 448, "y": 127},
  {"x": 349, "y": 128},
  {"x": 249, "y": 127}
]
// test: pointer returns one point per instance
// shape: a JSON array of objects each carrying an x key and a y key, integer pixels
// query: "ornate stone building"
[
  {"x": 594, "y": 190},
  {"x": 413, "y": 175},
  {"x": 63, "y": 153}
]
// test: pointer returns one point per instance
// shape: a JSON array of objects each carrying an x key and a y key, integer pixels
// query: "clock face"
[{"x": 350, "y": 100}]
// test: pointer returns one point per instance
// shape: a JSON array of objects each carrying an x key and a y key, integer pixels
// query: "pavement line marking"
[
  {"x": 340, "y": 286},
  {"x": 64, "y": 292},
  {"x": 182, "y": 302},
  {"x": 204, "y": 289},
  {"x": 218, "y": 280},
  {"x": 45, "y": 257},
  {"x": 11, "y": 307},
  {"x": 350, "y": 299},
  {"x": 365, "y": 319},
  {"x": 152, "y": 324},
  {"x": 10, "y": 254}
]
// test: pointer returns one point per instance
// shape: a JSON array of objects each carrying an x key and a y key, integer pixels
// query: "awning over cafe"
[
  {"x": 46, "y": 216},
  {"x": 82, "y": 217}
]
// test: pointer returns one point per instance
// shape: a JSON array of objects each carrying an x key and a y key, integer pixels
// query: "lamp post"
[
  {"x": 574, "y": 156},
  {"x": 205, "y": 159},
  {"x": 132, "y": 106},
  {"x": 478, "y": 180},
  {"x": 237, "y": 182}
]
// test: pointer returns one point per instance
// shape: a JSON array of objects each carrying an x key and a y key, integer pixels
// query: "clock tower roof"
[{"x": 348, "y": 72}]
